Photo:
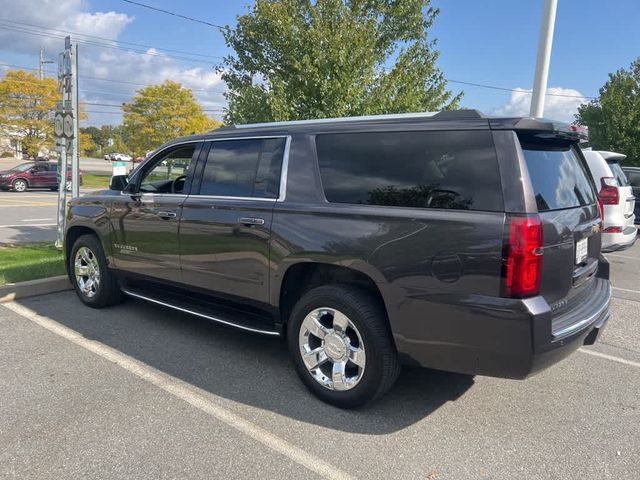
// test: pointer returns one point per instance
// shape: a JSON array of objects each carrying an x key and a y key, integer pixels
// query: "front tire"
[
  {"x": 19, "y": 185},
  {"x": 341, "y": 345},
  {"x": 94, "y": 283}
]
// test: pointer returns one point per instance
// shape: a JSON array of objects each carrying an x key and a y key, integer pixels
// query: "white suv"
[{"x": 616, "y": 199}]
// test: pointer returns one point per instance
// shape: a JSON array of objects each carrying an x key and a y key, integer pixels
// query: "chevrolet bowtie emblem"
[{"x": 596, "y": 228}]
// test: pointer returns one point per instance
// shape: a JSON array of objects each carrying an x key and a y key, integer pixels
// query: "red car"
[{"x": 32, "y": 175}]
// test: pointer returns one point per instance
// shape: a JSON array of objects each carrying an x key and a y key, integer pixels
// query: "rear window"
[
  {"x": 450, "y": 170},
  {"x": 618, "y": 173},
  {"x": 558, "y": 175}
]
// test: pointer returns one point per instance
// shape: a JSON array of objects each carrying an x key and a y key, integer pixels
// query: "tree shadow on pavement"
[{"x": 246, "y": 368}]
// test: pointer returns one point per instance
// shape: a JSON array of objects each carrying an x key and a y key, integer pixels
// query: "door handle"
[
  {"x": 251, "y": 221},
  {"x": 167, "y": 215}
]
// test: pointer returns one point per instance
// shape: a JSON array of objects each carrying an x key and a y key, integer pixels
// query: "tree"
[
  {"x": 613, "y": 118},
  {"x": 297, "y": 59},
  {"x": 27, "y": 107},
  {"x": 159, "y": 113},
  {"x": 86, "y": 144}
]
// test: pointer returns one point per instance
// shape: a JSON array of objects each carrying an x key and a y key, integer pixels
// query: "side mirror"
[{"x": 119, "y": 182}]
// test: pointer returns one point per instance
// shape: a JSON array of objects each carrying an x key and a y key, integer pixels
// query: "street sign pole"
[
  {"x": 63, "y": 129},
  {"x": 75, "y": 159},
  {"x": 62, "y": 191}
]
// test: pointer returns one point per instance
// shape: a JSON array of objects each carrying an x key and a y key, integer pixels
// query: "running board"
[{"x": 208, "y": 315}]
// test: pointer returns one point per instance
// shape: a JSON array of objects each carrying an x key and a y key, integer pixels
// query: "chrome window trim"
[{"x": 222, "y": 197}]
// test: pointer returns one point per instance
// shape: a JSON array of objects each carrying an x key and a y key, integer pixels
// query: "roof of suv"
[{"x": 453, "y": 119}]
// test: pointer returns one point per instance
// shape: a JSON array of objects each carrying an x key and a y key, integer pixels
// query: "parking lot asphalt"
[
  {"x": 28, "y": 217},
  {"x": 139, "y": 391}
]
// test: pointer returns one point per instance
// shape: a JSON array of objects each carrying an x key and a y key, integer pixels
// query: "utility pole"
[
  {"x": 42, "y": 64},
  {"x": 544, "y": 56},
  {"x": 75, "y": 106}
]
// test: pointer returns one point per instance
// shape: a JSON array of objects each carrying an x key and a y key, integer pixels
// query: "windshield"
[
  {"x": 23, "y": 167},
  {"x": 558, "y": 176},
  {"x": 619, "y": 174}
]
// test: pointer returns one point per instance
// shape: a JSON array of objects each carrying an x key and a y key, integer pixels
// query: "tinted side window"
[
  {"x": 558, "y": 176},
  {"x": 634, "y": 178},
  {"x": 243, "y": 168},
  {"x": 618, "y": 174},
  {"x": 454, "y": 170}
]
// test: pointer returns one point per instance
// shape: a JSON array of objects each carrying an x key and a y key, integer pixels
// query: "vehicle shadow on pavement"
[{"x": 245, "y": 368}]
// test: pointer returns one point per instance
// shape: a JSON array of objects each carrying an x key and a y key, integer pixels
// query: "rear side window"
[
  {"x": 451, "y": 170},
  {"x": 243, "y": 168},
  {"x": 634, "y": 178},
  {"x": 618, "y": 173},
  {"x": 558, "y": 175}
]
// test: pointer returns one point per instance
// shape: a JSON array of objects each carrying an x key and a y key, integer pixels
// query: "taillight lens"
[
  {"x": 609, "y": 192},
  {"x": 613, "y": 230},
  {"x": 523, "y": 257},
  {"x": 601, "y": 209}
]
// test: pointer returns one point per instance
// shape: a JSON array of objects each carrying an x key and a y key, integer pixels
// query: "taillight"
[
  {"x": 601, "y": 209},
  {"x": 523, "y": 257},
  {"x": 609, "y": 192},
  {"x": 613, "y": 230}
]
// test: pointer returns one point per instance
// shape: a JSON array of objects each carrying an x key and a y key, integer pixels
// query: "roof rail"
[{"x": 445, "y": 114}]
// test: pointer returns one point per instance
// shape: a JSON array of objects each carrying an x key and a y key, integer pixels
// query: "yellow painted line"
[
  {"x": 28, "y": 202},
  {"x": 23, "y": 205}
]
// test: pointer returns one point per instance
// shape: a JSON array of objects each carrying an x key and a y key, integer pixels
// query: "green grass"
[
  {"x": 95, "y": 181},
  {"x": 28, "y": 262}
]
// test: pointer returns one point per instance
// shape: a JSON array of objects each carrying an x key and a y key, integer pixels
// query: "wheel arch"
[
  {"x": 26, "y": 180},
  {"x": 72, "y": 234},
  {"x": 301, "y": 277}
]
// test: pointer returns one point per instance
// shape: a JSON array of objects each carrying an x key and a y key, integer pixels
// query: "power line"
[
  {"x": 493, "y": 87},
  {"x": 67, "y": 32},
  {"x": 104, "y": 45},
  {"x": 179, "y": 15},
  {"x": 113, "y": 80}
]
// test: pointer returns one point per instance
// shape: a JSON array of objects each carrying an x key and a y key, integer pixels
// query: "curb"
[{"x": 31, "y": 288}]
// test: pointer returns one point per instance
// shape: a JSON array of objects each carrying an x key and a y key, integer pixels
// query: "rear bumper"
[
  {"x": 612, "y": 242},
  {"x": 505, "y": 337}
]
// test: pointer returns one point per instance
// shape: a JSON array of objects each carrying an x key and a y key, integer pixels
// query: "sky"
[{"x": 488, "y": 42}]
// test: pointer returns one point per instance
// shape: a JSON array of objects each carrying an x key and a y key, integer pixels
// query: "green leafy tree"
[
  {"x": 159, "y": 113},
  {"x": 27, "y": 106},
  {"x": 614, "y": 117},
  {"x": 298, "y": 59}
]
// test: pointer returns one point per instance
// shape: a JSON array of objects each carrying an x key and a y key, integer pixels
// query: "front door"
[
  {"x": 38, "y": 175},
  {"x": 225, "y": 223},
  {"x": 146, "y": 216}
]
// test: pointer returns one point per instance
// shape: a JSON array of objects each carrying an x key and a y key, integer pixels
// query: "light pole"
[{"x": 544, "y": 56}]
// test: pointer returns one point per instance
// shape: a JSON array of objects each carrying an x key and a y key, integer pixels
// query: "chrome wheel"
[
  {"x": 19, "y": 185},
  {"x": 87, "y": 272},
  {"x": 332, "y": 349}
]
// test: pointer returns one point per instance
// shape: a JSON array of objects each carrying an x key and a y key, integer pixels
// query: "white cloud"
[
  {"x": 131, "y": 69},
  {"x": 561, "y": 105}
]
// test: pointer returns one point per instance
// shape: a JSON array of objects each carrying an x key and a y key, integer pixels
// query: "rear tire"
[
  {"x": 351, "y": 358},
  {"x": 94, "y": 283}
]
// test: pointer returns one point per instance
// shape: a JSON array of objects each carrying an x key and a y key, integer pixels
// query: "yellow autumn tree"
[
  {"x": 27, "y": 107},
  {"x": 159, "y": 113}
]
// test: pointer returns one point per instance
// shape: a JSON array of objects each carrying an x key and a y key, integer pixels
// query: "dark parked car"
[
  {"x": 39, "y": 174},
  {"x": 451, "y": 241},
  {"x": 633, "y": 175}
]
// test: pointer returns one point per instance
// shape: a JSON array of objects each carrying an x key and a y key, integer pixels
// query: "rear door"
[
  {"x": 226, "y": 221},
  {"x": 567, "y": 204}
]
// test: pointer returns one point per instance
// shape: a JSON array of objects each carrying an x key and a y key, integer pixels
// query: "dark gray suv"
[{"x": 451, "y": 241}]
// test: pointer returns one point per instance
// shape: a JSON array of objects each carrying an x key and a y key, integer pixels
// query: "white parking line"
[
  {"x": 610, "y": 357},
  {"x": 626, "y": 289},
  {"x": 36, "y": 219},
  {"x": 627, "y": 257},
  {"x": 29, "y": 225},
  {"x": 185, "y": 392}
]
